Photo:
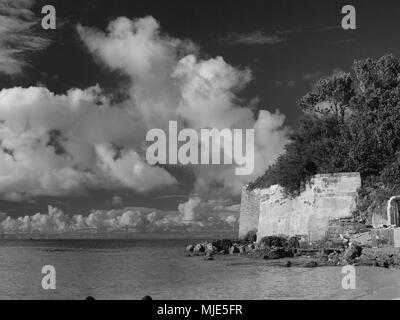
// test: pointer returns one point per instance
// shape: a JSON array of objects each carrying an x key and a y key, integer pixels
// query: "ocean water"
[{"x": 131, "y": 269}]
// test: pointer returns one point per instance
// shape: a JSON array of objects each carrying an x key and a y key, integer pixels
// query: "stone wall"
[
  {"x": 326, "y": 197},
  {"x": 386, "y": 237},
  {"x": 344, "y": 227},
  {"x": 249, "y": 211}
]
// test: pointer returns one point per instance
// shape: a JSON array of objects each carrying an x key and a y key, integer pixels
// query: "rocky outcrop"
[
  {"x": 274, "y": 249},
  {"x": 278, "y": 253},
  {"x": 352, "y": 252}
]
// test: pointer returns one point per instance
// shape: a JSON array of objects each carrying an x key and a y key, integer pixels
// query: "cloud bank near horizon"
[{"x": 192, "y": 216}]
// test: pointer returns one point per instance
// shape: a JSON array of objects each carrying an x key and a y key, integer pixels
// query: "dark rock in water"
[
  {"x": 147, "y": 298},
  {"x": 352, "y": 252},
  {"x": 190, "y": 248},
  {"x": 208, "y": 257},
  {"x": 222, "y": 245},
  {"x": 310, "y": 264},
  {"x": 210, "y": 249},
  {"x": 288, "y": 264},
  {"x": 275, "y": 253},
  {"x": 199, "y": 248},
  {"x": 90, "y": 298},
  {"x": 385, "y": 264}
]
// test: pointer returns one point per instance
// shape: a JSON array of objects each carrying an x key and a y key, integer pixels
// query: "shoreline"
[
  {"x": 383, "y": 284},
  {"x": 290, "y": 252}
]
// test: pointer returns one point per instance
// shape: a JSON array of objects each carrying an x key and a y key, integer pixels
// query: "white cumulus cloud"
[
  {"x": 169, "y": 81},
  {"x": 58, "y": 144}
]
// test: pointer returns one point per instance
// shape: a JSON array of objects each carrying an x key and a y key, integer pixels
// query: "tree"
[
  {"x": 332, "y": 95},
  {"x": 349, "y": 123}
]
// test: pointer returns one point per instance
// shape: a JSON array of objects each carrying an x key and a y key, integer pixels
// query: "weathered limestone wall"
[
  {"x": 250, "y": 210},
  {"x": 396, "y": 237},
  {"x": 327, "y": 197}
]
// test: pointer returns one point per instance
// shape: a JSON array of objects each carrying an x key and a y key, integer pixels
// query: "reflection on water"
[{"x": 130, "y": 269}]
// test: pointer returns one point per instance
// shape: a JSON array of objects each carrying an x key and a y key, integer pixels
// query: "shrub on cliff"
[{"x": 350, "y": 122}]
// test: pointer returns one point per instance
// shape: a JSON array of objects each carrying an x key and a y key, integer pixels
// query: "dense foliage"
[{"x": 350, "y": 122}]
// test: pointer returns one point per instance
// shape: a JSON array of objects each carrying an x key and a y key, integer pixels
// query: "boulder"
[
  {"x": 352, "y": 252},
  {"x": 334, "y": 258},
  {"x": 199, "y": 248},
  {"x": 210, "y": 248},
  {"x": 274, "y": 241},
  {"x": 208, "y": 257},
  {"x": 294, "y": 243},
  {"x": 222, "y": 245},
  {"x": 310, "y": 264},
  {"x": 275, "y": 253},
  {"x": 190, "y": 248}
]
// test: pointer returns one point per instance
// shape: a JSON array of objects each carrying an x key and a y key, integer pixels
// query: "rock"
[
  {"x": 208, "y": 257},
  {"x": 365, "y": 260},
  {"x": 293, "y": 243},
  {"x": 288, "y": 264},
  {"x": 334, "y": 258},
  {"x": 385, "y": 264},
  {"x": 234, "y": 249},
  {"x": 199, "y": 248},
  {"x": 190, "y": 248},
  {"x": 363, "y": 239},
  {"x": 222, "y": 245},
  {"x": 210, "y": 248},
  {"x": 310, "y": 264},
  {"x": 352, "y": 252},
  {"x": 274, "y": 241},
  {"x": 275, "y": 253}
]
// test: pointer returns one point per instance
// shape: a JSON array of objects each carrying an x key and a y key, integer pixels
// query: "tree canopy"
[{"x": 350, "y": 122}]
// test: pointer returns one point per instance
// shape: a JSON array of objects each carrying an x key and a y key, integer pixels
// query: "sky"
[{"x": 76, "y": 103}]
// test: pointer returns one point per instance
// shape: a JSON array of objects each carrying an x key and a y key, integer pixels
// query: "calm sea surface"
[{"x": 130, "y": 269}]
